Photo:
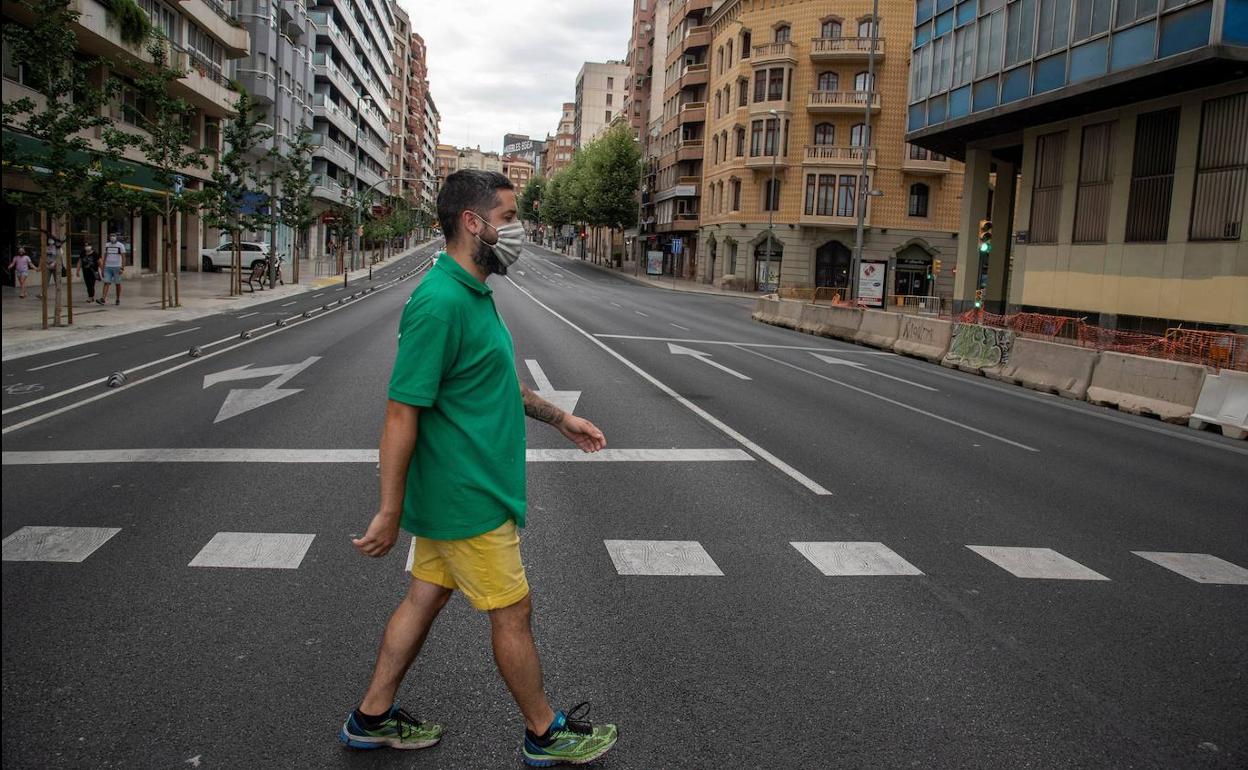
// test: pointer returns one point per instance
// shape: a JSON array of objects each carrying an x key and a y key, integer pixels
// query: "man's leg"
[
  {"x": 405, "y": 634},
  {"x": 512, "y": 636}
]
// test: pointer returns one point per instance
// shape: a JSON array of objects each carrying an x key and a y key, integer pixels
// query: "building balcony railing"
[
  {"x": 924, "y": 165},
  {"x": 830, "y": 155},
  {"x": 693, "y": 112},
  {"x": 689, "y": 150},
  {"x": 697, "y": 37},
  {"x": 838, "y": 222},
  {"x": 680, "y": 223},
  {"x": 773, "y": 53},
  {"x": 763, "y": 107},
  {"x": 695, "y": 75},
  {"x": 213, "y": 18},
  {"x": 843, "y": 101},
  {"x": 764, "y": 162},
  {"x": 823, "y": 49}
]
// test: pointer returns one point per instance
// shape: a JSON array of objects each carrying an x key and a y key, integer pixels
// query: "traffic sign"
[{"x": 677, "y": 245}]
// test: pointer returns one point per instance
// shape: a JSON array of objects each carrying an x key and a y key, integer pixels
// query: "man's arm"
[
  {"x": 398, "y": 441},
  {"x": 539, "y": 408},
  {"x": 578, "y": 430}
]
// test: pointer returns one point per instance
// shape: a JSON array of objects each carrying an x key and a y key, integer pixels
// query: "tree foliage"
[
  {"x": 599, "y": 187},
  {"x": 531, "y": 199}
]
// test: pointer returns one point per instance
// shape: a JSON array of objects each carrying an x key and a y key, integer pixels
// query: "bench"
[{"x": 253, "y": 276}]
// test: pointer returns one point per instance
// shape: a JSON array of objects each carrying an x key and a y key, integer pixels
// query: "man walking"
[
  {"x": 114, "y": 267},
  {"x": 453, "y": 474}
]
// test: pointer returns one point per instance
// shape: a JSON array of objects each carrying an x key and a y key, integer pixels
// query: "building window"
[
  {"x": 756, "y": 139},
  {"x": 1046, "y": 196},
  {"x": 608, "y": 116},
  {"x": 609, "y": 98},
  {"x": 610, "y": 83},
  {"x": 1096, "y": 182},
  {"x": 735, "y": 187},
  {"x": 866, "y": 28},
  {"x": 863, "y": 81},
  {"x": 1152, "y": 176},
  {"x": 783, "y": 33},
  {"x": 1019, "y": 31},
  {"x": 740, "y": 132},
  {"x": 718, "y": 103},
  {"x": 1221, "y": 169},
  {"x": 859, "y": 136},
  {"x": 771, "y": 146},
  {"x": 1091, "y": 18},
  {"x": 745, "y": 44},
  {"x": 919, "y": 194},
  {"x": 729, "y": 53},
  {"x": 828, "y": 81},
  {"x": 830, "y": 29},
  {"x": 715, "y": 149},
  {"x": 771, "y": 195},
  {"x": 821, "y": 195},
  {"x": 1130, "y": 11},
  {"x": 825, "y": 133},
  {"x": 1053, "y": 26},
  {"x": 742, "y": 92},
  {"x": 845, "y": 196}
]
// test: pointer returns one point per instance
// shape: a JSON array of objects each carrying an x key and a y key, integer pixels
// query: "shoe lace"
[
  {"x": 577, "y": 719},
  {"x": 405, "y": 723}
]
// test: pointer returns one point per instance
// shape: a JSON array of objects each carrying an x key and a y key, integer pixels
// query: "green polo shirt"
[{"x": 456, "y": 362}]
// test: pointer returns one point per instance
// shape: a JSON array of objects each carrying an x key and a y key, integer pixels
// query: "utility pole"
[
  {"x": 277, "y": 138},
  {"x": 355, "y": 186},
  {"x": 771, "y": 196},
  {"x": 863, "y": 188}
]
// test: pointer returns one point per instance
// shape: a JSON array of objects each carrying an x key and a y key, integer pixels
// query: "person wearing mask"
[
  {"x": 89, "y": 269},
  {"x": 20, "y": 266},
  {"x": 454, "y": 431},
  {"x": 114, "y": 267}
]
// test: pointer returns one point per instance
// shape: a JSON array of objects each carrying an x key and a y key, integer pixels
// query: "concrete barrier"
[
  {"x": 767, "y": 311},
  {"x": 831, "y": 321},
  {"x": 1140, "y": 385},
  {"x": 978, "y": 349},
  {"x": 1223, "y": 402},
  {"x": 921, "y": 337},
  {"x": 1048, "y": 366},
  {"x": 790, "y": 312},
  {"x": 878, "y": 329}
]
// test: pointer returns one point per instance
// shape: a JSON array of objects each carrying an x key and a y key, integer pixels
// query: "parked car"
[{"x": 220, "y": 258}]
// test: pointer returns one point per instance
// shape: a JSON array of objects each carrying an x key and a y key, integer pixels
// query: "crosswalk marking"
[
  {"x": 661, "y": 557},
  {"x": 1200, "y": 567},
  {"x": 253, "y": 550},
  {"x": 62, "y": 544},
  {"x": 855, "y": 558},
  {"x": 1036, "y": 563}
]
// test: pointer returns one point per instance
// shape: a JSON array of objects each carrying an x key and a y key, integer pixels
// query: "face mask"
[{"x": 510, "y": 240}]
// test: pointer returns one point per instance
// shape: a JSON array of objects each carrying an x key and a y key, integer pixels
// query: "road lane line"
[
  {"x": 860, "y": 367},
  {"x": 616, "y": 304},
  {"x": 682, "y": 328},
  {"x": 775, "y": 462},
  {"x": 288, "y": 304},
  {"x": 705, "y": 358},
  {"x": 184, "y": 331},
  {"x": 58, "y": 363},
  {"x": 855, "y": 351},
  {"x": 249, "y": 315},
  {"x": 322, "y": 294},
  {"x": 638, "y": 312},
  {"x": 349, "y": 456},
  {"x": 894, "y": 402}
]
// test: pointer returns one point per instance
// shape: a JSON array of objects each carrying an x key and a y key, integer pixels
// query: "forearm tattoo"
[{"x": 539, "y": 408}]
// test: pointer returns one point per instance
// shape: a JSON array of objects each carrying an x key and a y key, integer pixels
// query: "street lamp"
[
  {"x": 866, "y": 153},
  {"x": 771, "y": 196},
  {"x": 355, "y": 232}
]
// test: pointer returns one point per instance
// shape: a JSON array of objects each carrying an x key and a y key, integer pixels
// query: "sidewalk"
[
  {"x": 668, "y": 282},
  {"x": 202, "y": 294}
]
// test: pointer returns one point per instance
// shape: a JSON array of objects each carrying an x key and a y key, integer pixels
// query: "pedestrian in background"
[
  {"x": 452, "y": 474},
  {"x": 53, "y": 257},
  {"x": 89, "y": 269},
  {"x": 114, "y": 267},
  {"x": 20, "y": 266}
]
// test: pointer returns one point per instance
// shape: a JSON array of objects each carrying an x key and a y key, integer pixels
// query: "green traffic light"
[
  {"x": 978, "y": 304},
  {"x": 985, "y": 247}
]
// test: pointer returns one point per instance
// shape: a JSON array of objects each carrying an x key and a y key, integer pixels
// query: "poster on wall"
[
  {"x": 871, "y": 283},
  {"x": 654, "y": 263}
]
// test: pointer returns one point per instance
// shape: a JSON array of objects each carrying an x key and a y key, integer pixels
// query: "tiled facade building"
[
  {"x": 558, "y": 151},
  {"x": 787, "y": 89},
  {"x": 1107, "y": 143}
]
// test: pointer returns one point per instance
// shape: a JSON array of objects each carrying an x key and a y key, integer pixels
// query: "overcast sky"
[{"x": 508, "y": 67}]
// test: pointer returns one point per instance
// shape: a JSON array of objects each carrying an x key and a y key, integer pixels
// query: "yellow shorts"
[{"x": 486, "y": 568}]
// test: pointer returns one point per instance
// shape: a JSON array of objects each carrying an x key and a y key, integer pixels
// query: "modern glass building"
[{"x": 1106, "y": 140}]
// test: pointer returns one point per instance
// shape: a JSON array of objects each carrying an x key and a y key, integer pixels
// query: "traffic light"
[
  {"x": 979, "y": 298},
  {"x": 985, "y": 236},
  {"x": 935, "y": 268}
]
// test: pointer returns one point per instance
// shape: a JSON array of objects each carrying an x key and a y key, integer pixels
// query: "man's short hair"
[{"x": 469, "y": 189}]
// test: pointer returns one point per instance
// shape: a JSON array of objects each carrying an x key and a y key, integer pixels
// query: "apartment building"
[
  {"x": 353, "y": 88},
  {"x": 473, "y": 157},
  {"x": 640, "y": 61},
  {"x": 416, "y": 120},
  {"x": 518, "y": 170},
  {"x": 203, "y": 39},
  {"x": 599, "y": 96},
  {"x": 1108, "y": 146},
  {"x": 791, "y": 114},
  {"x": 559, "y": 150}
]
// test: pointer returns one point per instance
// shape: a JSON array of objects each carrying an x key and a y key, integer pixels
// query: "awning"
[{"x": 135, "y": 176}]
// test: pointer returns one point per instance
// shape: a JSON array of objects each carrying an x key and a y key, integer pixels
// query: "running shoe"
[
  {"x": 400, "y": 731},
  {"x": 571, "y": 740}
]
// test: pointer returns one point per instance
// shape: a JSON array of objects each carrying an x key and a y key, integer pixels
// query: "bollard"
[
  {"x": 307, "y": 314},
  {"x": 195, "y": 352},
  {"x": 116, "y": 379},
  {"x": 281, "y": 322},
  {"x": 245, "y": 334}
]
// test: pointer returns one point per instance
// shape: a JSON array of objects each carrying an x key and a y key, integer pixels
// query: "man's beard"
[{"x": 486, "y": 260}]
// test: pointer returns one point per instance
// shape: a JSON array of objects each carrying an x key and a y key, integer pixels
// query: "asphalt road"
[{"x": 131, "y": 657}]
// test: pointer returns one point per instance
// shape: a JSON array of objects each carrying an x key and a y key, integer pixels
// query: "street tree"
[
  {"x": 531, "y": 199},
  {"x": 64, "y": 173},
  {"x": 614, "y": 174},
  {"x": 165, "y": 142},
  {"x": 234, "y": 202},
  {"x": 295, "y": 199}
]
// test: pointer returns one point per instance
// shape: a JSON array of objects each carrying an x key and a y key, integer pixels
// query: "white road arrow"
[
  {"x": 240, "y": 400},
  {"x": 704, "y": 358},
  {"x": 564, "y": 399},
  {"x": 862, "y": 368}
]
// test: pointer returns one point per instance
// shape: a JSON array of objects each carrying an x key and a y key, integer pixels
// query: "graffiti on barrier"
[
  {"x": 980, "y": 347},
  {"x": 914, "y": 330}
]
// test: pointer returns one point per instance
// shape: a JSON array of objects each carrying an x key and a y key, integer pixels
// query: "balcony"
[
  {"x": 781, "y": 106},
  {"x": 774, "y": 53},
  {"x": 696, "y": 37},
  {"x": 846, "y": 49},
  {"x": 324, "y": 107},
  {"x": 922, "y": 166},
  {"x": 835, "y": 222},
  {"x": 689, "y": 150},
  {"x": 211, "y": 16},
  {"x": 685, "y": 187},
  {"x": 695, "y": 75},
  {"x": 680, "y": 223},
  {"x": 203, "y": 85},
  {"x": 685, "y": 7},
  {"x": 824, "y": 155},
  {"x": 693, "y": 112},
  {"x": 842, "y": 101},
  {"x": 764, "y": 162}
]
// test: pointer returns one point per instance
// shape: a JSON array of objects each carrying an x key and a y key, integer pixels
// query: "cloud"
[{"x": 497, "y": 68}]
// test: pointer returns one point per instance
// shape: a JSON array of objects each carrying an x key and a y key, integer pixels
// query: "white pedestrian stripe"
[
  {"x": 253, "y": 550},
  {"x": 62, "y": 544},
  {"x": 1201, "y": 567},
  {"x": 638, "y": 455},
  {"x": 1036, "y": 563},
  {"x": 348, "y": 456},
  {"x": 855, "y": 558},
  {"x": 661, "y": 557}
]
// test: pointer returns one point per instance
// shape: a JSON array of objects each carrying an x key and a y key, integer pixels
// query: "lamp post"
[
  {"x": 771, "y": 196},
  {"x": 355, "y": 228},
  {"x": 862, "y": 187}
]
